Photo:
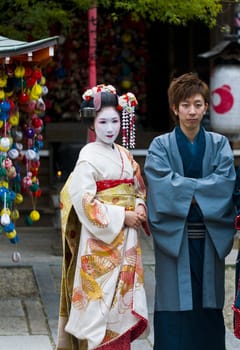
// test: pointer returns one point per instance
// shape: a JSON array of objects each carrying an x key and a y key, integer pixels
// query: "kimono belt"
[{"x": 117, "y": 192}]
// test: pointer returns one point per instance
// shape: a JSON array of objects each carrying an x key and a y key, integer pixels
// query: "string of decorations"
[{"x": 22, "y": 109}]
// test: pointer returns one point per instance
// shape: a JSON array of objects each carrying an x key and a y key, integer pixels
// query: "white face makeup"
[{"x": 107, "y": 125}]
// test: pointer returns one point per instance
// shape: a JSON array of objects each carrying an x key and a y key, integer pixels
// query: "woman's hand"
[
  {"x": 135, "y": 218},
  {"x": 132, "y": 219},
  {"x": 141, "y": 212}
]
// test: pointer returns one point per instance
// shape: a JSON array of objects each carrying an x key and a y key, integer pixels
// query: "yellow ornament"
[
  {"x": 34, "y": 215},
  {"x": 19, "y": 72},
  {"x": 15, "y": 214},
  {"x": 11, "y": 234},
  {"x": 18, "y": 199},
  {"x": 3, "y": 81},
  {"x": 43, "y": 81},
  {"x": 4, "y": 184},
  {"x": 2, "y": 94},
  {"x": 5, "y": 211},
  {"x": 35, "y": 92},
  {"x": 126, "y": 84},
  {"x": 14, "y": 119}
]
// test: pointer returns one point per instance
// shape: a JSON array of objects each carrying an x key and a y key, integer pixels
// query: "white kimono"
[{"x": 108, "y": 302}]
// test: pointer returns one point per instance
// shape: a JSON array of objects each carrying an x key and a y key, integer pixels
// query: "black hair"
[
  {"x": 89, "y": 110},
  {"x": 107, "y": 100}
]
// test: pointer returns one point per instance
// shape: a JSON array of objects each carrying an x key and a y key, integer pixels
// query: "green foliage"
[
  {"x": 34, "y": 19},
  {"x": 24, "y": 19},
  {"x": 177, "y": 12}
]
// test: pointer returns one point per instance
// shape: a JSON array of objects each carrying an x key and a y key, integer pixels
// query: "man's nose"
[{"x": 192, "y": 109}]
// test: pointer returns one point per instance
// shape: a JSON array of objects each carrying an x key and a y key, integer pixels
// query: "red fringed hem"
[{"x": 123, "y": 341}]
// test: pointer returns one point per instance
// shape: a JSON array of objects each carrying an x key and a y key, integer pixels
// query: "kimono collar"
[{"x": 191, "y": 153}]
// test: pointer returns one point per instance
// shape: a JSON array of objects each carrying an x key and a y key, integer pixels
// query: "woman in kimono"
[
  {"x": 103, "y": 303},
  {"x": 190, "y": 176},
  {"x": 236, "y": 303}
]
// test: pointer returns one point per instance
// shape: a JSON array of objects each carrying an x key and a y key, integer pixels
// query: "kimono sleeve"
[
  {"x": 169, "y": 197},
  {"x": 104, "y": 221}
]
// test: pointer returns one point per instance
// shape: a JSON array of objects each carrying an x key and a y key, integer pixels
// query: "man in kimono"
[{"x": 190, "y": 176}]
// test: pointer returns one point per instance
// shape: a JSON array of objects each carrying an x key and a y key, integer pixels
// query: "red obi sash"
[{"x": 105, "y": 184}]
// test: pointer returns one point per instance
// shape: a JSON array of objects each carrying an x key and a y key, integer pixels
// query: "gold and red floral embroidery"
[
  {"x": 79, "y": 298},
  {"x": 90, "y": 287},
  {"x": 90, "y": 291},
  {"x": 97, "y": 266},
  {"x": 94, "y": 211}
]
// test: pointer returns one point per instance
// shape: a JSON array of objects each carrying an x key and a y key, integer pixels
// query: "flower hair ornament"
[{"x": 126, "y": 104}]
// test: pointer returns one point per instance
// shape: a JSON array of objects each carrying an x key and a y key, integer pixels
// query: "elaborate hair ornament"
[
  {"x": 126, "y": 104},
  {"x": 88, "y": 94}
]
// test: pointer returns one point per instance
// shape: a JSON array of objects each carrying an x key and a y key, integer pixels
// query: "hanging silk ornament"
[{"x": 127, "y": 104}]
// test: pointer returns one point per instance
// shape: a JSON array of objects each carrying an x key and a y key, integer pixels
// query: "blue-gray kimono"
[{"x": 170, "y": 194}]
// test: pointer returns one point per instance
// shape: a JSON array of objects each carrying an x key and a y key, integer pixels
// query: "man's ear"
[
  {"x": 174, "y": 109},
  {"x": 206, "y": 107}
]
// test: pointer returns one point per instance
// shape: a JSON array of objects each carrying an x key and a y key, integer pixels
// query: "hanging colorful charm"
[{"x": 22, "y": 109}]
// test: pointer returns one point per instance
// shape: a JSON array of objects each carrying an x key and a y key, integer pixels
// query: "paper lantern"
[{"x": 225, "y": 99}]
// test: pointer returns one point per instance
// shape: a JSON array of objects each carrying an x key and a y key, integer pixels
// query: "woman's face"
[{"x": 107, "y": 125}]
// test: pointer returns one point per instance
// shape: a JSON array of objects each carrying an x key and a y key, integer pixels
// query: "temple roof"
[{"x": 27, "y": 51}]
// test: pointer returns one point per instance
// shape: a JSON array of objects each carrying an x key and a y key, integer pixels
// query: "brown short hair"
[{"x": 184, "y": 87}]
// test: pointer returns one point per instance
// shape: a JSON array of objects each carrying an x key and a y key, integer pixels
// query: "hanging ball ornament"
[
  {"x": 19, "y": 72},
  {"x": 13, "y": 153},
  {"x": 16, "y": 257},
  {"x": 30, "y": 132},
  {"x": 2, "y": 94},
  {"x": 14, "y": 119},
  {"x": 18, "y": 199},
  {"x": 15, "y": 214},
  {"x": 18, "y": 135},
  {"x": 5, "y": 219},
  {"x": 34, "y": 215},
  {"x": 5, "y": 144},
  {"x": 126, "y": 84},
  {"x": 28, "y": 220},
  {"x": 23, "y": 98},
  {"x": 30, "y": 154},
  {"x": 11, "y": 234}
]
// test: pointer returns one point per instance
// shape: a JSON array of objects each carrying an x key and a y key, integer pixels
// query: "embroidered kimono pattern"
[{"x": 103, "y": 283}]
